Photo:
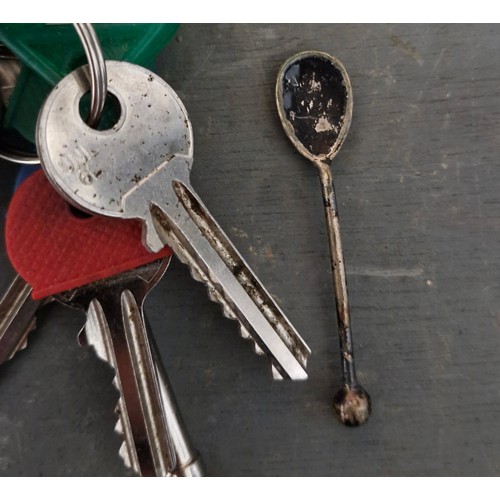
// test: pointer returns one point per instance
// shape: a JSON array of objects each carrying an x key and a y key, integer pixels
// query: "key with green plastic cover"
[{"x": 48, "y": 52}]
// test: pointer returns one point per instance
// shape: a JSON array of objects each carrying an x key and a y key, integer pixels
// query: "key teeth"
[
  {"x": 123, "y": 451},
  {"x": 99, "y": 350},
  {"x": 258, "y": 350},
  {"x": 21, "y": 347},
  {"x": 119, "y": 425},
  {"x": 227, "y": 313},
  {"x": 196, "y": 275},
  {"x": 215, "y": 296},
  {"x": 124, "y": 455},
  {"x": 23, "y": 344},
  {"x": 245, "y": 334},
  {"x": 119, "y": 428},
  {"x": 276, "y": 374}
]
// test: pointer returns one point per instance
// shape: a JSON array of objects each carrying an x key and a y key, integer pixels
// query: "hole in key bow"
[{"x": 110, "y": 114}]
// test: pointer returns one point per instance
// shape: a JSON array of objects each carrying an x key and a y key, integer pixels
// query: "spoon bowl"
[{"x": 314, "y": 101}]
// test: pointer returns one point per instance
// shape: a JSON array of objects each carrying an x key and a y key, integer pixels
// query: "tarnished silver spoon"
[{"x": 314, "y": 100}]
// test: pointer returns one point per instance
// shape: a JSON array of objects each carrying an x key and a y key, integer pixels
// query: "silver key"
[
  {"x": 155, "y": 440},
  {"x": 17, "y": 317},
  {"x": 139, "y": 169}
]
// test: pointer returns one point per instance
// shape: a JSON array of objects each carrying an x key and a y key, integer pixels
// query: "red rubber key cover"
[{"x": 54, "y": 250}]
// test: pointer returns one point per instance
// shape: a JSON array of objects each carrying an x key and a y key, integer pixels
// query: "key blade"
[
  {"x": 155, "y": 440},
  {"x": 162, "y": 448},
  {"x": 199, "y": 241},
  {"x": 113, "y": 328},
  {"x": 98, "y": 335},
  {"x": 17, "y": 318}
]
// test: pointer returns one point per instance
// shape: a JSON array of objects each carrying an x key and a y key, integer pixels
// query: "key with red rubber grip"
[
  {"x": 54, "y": 250},
  {"x": 100, "y": 265}
]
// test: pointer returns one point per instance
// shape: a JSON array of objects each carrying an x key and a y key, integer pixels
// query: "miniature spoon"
[{"x": 314, "y": 100}]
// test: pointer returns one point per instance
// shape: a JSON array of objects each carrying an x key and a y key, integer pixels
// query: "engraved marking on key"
[
  {"x": 145, "y": 162},
  {"x": 152, "y": 128},
  {"x": 79, "y": 159}
]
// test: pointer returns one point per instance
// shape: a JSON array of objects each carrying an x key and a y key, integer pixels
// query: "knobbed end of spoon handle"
[{"x": 352, "y": 405}]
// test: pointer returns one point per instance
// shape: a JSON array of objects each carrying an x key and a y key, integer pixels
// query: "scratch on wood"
[
  {"x": 409, "y": 49},
  {"x": 386, "y": 272}
]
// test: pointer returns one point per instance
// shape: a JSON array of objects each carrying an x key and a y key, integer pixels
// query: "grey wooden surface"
[{"x": 417, "y": 180}]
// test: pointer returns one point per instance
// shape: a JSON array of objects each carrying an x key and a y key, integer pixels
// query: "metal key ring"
[
  {"x": 97, "y": 67},
  {"x": 98, "y": 90}
]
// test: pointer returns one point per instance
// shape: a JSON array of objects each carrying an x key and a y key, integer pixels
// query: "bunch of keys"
[
  {"x": 101, "y": 267},
  {"x": 138, "y": 170}
]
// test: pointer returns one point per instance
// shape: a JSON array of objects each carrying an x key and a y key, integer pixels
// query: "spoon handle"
[
  {"x": 352, "y": 402},
  {"x": 338, "y": 270}
]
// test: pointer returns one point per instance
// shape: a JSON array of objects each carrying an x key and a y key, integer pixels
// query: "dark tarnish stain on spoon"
[{"x": 315, "y": 101}]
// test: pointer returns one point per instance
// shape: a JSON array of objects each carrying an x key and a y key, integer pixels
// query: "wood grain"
[{"x": 417, "y": 183}]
